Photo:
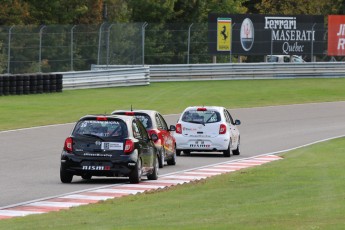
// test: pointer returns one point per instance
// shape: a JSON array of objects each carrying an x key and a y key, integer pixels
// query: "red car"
[{"x": 154, "y": 123}]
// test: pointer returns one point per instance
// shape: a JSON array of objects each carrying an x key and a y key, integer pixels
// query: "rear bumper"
[
  {"x": 76, "y": 165},
  {"x": 219, "y": 143}
]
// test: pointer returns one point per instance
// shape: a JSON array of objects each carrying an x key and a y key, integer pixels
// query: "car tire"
[
  {"x": 186, "y": 152},
  {"x": 227, "y": 153},
  {"x": 86, "y": 177},
  {"x": 172, "y": 161},
  {"x": 237, "y": 150},
  {"x": 65, "y": 176},
  {"x": 161, "y": 158},
  {"x": 154, "y": 174},
  {"x": 135, "y": 175},
  {"x": 178, "y": 152}
]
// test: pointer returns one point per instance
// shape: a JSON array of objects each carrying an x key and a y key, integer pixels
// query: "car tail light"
[
  {"x": 201, "y": 109},
  {"x": 101, "y": 118},
  {"x": 68, "y": 144},
  {"x": 129, "y": 146},
  {"x": 178, "y": 128},
  {"x": 222, "y": 129},
  {"x": 129, "y": 113},
  {"x": 152, "y": 131}
]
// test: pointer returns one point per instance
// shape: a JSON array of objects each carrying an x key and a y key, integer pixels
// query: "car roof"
[
  {"x": 94, "y": 116},
  {"x": 149, "y": 112},
  {"x": 218, "y": 108}
]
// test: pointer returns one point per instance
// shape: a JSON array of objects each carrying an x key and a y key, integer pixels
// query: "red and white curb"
[{"x": 114, "y": 191}]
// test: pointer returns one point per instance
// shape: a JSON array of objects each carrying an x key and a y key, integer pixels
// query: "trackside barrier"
[
  {"x": 236, "y": 71},
  {"x": 20, "y": 84},
  {"x": 106, "y": 78},
  {"x": 133, "y": 75}
]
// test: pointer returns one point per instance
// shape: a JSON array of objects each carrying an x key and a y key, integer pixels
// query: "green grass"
[
  {"x": 43, "y": 109},
  {"x": 303, "y": 191}
]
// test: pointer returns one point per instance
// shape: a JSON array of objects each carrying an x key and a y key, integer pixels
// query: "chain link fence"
[{"x": 61, "y": 48}]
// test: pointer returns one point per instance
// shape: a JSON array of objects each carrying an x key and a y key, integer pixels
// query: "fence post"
[
  {"x": 99, "y": 42},
  {"x": 40, "y": 50},
  {"x": 232, "y": 26},
  {"x": 271, "y": 42},
  {"x": 189, "y": 42},
  {"x": 108, "y": 38},
  {"x": 143, "y": 41},
  {"x": 72, "y": 47},
  {"x": 9, "y": 50},
  {"x": 312, "y": 43}
]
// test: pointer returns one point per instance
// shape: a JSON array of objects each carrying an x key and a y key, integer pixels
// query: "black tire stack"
[
  {"x": 5, "y": 85},
  {"x": 30, "y": 84},
  {"x": 1, "y": 86}
]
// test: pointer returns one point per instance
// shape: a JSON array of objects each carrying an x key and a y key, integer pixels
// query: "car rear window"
[
  {"x": 202, "y": 117},
  {"x": 145, "y": 119},
  {"x": 109, "y": 128}
]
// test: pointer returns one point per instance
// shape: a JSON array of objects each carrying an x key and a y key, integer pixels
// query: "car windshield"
[
  {"x": 145, "y": 119},
  {"x": 101, "y": 128},
  {"x": 272, "y": 59},
  {"x": 201, "y": 117}
]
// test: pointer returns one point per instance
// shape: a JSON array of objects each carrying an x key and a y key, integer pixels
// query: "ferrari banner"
[{"x": 224, "y": 34}]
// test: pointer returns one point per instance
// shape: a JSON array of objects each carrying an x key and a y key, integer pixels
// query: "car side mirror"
[
  {"x": 172, "y": 128},
  {"x": 154, "y": 137},
  {"x": 237, "y": 122}
]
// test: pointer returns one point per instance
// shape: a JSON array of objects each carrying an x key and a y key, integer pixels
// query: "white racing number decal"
[{"x": 112, "y": 146}]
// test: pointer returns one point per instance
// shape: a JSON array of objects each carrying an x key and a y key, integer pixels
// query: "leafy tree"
[
  {"x": 65, "y": 11},
  {"x": 315, "y": 7},
  {"x": 151, "y": 11},
  {"x": 14, "y": 12}
]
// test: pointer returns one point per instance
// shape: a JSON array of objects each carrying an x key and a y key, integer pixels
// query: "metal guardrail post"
[
  {"x": 189, "y": 42},
  {"x": 72, "y": 47},
  {"x": 143, "y": 41},
  {"x": 40, "y": 50},
  {"x": 9, "y": 50}
]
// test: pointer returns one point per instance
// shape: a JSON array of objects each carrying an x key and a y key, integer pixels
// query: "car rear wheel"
[
  {"x": 186, "y": 152},
  {"x": 161, "y": 158},
  {"x": 172, "y": 161},
  {"x": 135, "y": 176},
  {"x": 178, "y": 152},
  {"x": 154, "y": 174},
  {"x": 227, "y": 153},
  {"x": 86, "y": 177},
  {"x": 65, "y": 176},
  {"x": 237, "y": 150}
]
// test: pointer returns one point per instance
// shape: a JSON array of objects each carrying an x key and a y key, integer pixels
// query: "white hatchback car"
[{"x": 207, "y": 129}]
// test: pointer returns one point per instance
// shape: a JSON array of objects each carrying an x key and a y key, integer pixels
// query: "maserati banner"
[{"x": 270, "y": 34}]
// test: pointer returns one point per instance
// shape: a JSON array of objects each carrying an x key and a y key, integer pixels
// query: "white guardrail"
[
  {"x": 132, "y": 76},
  {"x": 128, "y": 75}
]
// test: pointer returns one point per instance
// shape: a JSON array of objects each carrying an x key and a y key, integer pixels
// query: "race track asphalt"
[{"x": 30, "y": 158}]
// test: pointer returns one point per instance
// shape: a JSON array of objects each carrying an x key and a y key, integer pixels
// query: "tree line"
[
  {"x": 162, "y": 15},
  {"x": 38, "y": 12}
]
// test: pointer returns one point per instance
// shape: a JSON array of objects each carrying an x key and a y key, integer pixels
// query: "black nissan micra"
[{"x": 111, "y": 146}]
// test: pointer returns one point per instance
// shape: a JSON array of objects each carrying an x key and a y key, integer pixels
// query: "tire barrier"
[{"x": 24, "y": 84}]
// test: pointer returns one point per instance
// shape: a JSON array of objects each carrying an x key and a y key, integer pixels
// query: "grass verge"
[
  {"x": 173, "y": 97},
  {"x": 303, "y": 191}
]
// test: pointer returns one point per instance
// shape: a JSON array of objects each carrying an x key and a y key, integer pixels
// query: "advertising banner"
[
  {"x": 254, "y": 34},
  {"x": 223, "y": 34},
  {"x": 336, "y": 35}
]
